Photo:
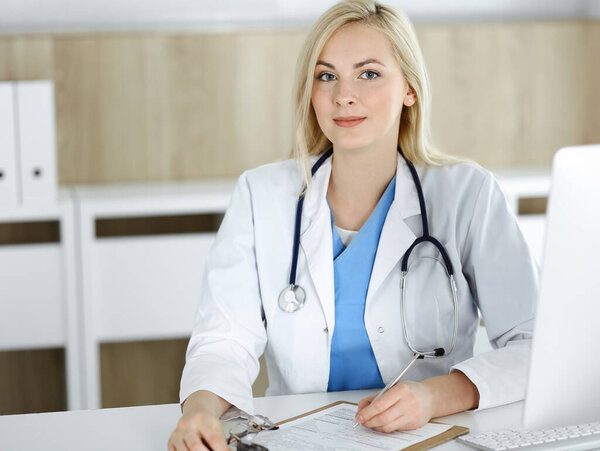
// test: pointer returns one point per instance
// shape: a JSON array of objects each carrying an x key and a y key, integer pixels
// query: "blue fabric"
[{"x": 352, "y": 362}]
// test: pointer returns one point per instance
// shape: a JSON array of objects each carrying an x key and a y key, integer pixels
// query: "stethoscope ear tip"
[{"x": 439, "y": 352}]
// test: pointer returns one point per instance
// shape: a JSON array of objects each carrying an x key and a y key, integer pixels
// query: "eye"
[
  {"x": 325, "y": 74},
  {"x": 371, "y": 75}
]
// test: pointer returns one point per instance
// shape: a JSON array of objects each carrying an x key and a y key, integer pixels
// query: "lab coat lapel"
[
  {"x": 396, "y": 237},
  {"x": 316, "y": 240}
]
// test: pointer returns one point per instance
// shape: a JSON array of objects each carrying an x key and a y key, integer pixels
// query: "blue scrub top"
[{"x": 352, "y": 362}]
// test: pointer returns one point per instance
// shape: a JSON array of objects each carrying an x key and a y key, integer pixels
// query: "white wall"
[
  {"x": 99, "y": 15},
  {"x": 593, "y": 9}
]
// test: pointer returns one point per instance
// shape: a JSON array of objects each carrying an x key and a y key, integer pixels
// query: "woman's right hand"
[{"x": 198, "y": 431}]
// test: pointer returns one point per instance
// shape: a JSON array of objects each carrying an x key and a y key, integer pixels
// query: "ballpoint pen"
[{"x": 395, "y": 381}]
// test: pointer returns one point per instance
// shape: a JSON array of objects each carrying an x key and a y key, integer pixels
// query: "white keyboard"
[{"x": 571, "y": 438}]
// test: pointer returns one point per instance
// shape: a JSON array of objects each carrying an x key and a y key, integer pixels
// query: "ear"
[{"x": 410, "y": 98}]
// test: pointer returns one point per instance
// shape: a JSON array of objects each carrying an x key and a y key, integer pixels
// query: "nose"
[
  {"x": 344, "y": 95},
  {"x": 345, "y": 101}
]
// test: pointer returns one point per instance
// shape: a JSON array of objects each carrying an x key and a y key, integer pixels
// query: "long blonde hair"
[{"x": 415, "y": 131}]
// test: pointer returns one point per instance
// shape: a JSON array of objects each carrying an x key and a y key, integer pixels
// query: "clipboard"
[{"x": 450, "y": 434}]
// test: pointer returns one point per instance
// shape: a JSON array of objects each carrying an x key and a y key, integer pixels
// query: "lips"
[{"x": 349, "y": 121}]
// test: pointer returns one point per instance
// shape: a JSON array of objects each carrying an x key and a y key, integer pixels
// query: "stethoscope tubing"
[
  {"x": 296, "y": 245},
  {"x": 297, "y": 293}
]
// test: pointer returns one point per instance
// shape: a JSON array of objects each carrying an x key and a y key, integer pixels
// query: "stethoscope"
[{"x": 293, "y": 296}]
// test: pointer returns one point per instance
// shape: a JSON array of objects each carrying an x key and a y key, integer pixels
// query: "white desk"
[{"x": 148, "y": 428}]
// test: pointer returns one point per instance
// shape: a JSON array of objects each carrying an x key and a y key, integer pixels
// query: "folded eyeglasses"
[{"x": 244, "y": 432}]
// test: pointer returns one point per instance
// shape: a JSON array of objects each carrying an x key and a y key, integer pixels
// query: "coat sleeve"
[
  {"x": 503, "y": 278},
  {"x": 228, "y": 335}
]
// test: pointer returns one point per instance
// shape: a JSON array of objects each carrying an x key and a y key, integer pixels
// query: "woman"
[{"x": 362, "y": 91}]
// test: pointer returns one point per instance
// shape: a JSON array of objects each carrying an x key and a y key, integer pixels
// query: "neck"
[{"x": 358, "y": 179}]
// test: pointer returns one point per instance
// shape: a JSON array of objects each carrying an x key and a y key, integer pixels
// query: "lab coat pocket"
[{"x": 428, "y": 300}]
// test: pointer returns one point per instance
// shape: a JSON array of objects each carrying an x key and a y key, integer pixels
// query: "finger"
[
  {"x": 177, "y": 444},
  {"x": 193, "y": 442},
  {"x": 386, "y": 425},
  {"x": 216, "y": 440},
  {"x": 390, "y": 398},
  {"x": 396, "y": 425},
  {"x": 364, "y": 402},
  {"x": 403, "y": 423},
  {"x": 407, "y": 410},
  {"x": 388, "y": 416},
  {"x": 176, "y": 441}
]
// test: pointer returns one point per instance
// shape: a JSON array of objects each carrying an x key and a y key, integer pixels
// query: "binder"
[
  {"x": 9, "y": 175},
  {"x": 36, "y": 138}
]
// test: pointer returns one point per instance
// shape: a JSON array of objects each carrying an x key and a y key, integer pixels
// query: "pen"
[{"x": 395, "y": 381}]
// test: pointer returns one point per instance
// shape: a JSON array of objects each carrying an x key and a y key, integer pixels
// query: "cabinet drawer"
[{"x": 32, "y": 307}]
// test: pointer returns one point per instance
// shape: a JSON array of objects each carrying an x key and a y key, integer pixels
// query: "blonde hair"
[{"x": 414, "y": 135}]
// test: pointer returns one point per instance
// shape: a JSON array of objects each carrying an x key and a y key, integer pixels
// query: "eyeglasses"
[{"x": 243, "y": 432}]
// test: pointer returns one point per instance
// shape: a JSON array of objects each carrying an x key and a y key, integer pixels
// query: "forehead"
[{"x": 354, "y": 42}]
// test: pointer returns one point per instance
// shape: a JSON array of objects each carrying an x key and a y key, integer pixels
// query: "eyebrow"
[{"x": 356, "y": 66}]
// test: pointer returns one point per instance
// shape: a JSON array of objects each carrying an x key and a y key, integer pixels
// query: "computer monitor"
[{"x": 564, "y": 372}]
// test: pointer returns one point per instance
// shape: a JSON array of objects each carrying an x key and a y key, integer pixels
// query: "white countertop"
[{"x": 148, "y": 427}]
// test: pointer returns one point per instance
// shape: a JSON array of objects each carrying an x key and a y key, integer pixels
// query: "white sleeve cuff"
[
  {"x": 499, "y": 375},
  {"x": 222, "y": 377}
]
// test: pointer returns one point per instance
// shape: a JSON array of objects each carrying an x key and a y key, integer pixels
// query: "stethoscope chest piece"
[{"x": 292, "y": 298}]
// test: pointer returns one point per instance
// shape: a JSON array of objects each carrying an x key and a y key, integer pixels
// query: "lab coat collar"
[
  {"x": 406, "y": 200},
  {"x": 396, "y": 237},
  {"x": 316, "y": 234},
  {"x": 316, "y": 240}
]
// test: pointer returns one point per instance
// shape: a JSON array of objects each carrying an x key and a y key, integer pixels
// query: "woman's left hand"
[{"x": 407, "y": 405}]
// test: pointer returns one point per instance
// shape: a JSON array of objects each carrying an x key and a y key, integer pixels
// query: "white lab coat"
[{"x": 249, "y": 265}]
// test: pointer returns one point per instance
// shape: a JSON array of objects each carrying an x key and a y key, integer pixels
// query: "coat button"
[
  {"x": 326, "y": 330},
  {"x": 380, "y": 330}
]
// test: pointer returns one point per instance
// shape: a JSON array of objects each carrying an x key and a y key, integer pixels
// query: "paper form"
[{"x": 332, "y": 429}]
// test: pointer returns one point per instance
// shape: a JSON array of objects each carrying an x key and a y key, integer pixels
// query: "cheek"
[
  {"x": 321, "y": 105},
  {"x": 383, "y": 100},
  {"x": 385, "y": 104},
  {"x": 319, "y": 101}
]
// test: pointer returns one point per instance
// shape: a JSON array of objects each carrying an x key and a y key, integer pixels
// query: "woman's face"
[{"x": 357, "y": 77}]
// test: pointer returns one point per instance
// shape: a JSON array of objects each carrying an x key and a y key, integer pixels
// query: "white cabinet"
[
  {"x": 86, "y": 289},
  {"x": 38, "y": 307},
  {"x": 140, "y": 287}
]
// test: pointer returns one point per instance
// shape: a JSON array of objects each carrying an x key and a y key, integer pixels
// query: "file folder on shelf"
[
  {"x": 36, "y": 137},
  {"x": 9, "y": 175}
]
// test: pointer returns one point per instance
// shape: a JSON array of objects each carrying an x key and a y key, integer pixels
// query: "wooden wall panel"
[
  {"x": 26, "y": 58},
  {"x": 154, "y": 106},
  {"x": 509, "y": 94},
  {"x": 172, "y": 106},
  {"x": 592, "y": 84}
]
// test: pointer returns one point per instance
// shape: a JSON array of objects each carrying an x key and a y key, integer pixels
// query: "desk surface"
[{"x": 149, "y": 427}]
